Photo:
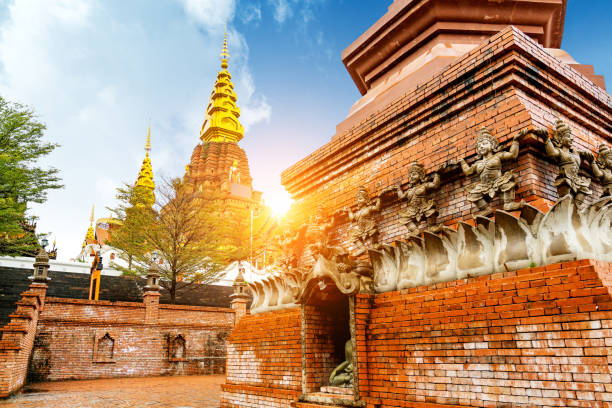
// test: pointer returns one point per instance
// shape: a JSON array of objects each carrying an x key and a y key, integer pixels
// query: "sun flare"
[{"x": 279, "y": 202}]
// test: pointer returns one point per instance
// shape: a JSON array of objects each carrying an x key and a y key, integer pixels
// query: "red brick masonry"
[
  {"x": 534, "y": 337},
  {"x": 69, "y": 332},
  {"x": 18, "y": 338}
]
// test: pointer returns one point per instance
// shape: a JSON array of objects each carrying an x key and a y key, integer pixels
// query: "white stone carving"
[{"x": 501, "y": 244}]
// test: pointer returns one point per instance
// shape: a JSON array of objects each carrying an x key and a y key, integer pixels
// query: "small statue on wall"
[
  {"x": 560, "y": 148},
  {"x": 317, "y": 232},
  {"x": 489, "y": 168},
  {"x": 234, "y": 173},
  {"x": 343, "y": 374},
  {"x": 419, "y": 207},
  {"x": 602, "y": 169},
  {"x": 287, "y": 243},
  {"x": 364, "y": 231}
]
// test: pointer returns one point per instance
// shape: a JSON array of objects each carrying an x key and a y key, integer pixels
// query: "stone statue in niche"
[
  {"x": 343, "y": 374},
  {"x": 560, "y": 148},
  {"x": 489, "y": 168},
  {"x": 419, "y": 207},
  {"x": 602, "y": 169},
  {"x": 364, "y": 231}
]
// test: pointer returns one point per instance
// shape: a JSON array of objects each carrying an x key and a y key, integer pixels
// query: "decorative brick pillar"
[
  {"x": 240, "y": 297},
  {"x": 151, "y": 295},
  {"x": 17, "y": 336}
]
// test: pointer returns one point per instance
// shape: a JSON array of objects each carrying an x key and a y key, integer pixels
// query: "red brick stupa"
[{"x": 468, "y": 259}]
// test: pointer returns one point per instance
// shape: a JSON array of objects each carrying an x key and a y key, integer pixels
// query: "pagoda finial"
[
  {"x": 92, "y": 214},
  {"x": 148, "y": 144},
  {"x": 224, "y": 53}
]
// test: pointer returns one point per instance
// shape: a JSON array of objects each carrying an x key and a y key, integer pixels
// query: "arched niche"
[{"x": 326, "y": 328}]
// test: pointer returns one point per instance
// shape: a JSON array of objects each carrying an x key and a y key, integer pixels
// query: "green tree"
[
  {"x": 184, "y": 229},
  {"x": 188, "y": 234},
  {"x": 22, "y": 180},
  {"x": 130, "y": 238}
]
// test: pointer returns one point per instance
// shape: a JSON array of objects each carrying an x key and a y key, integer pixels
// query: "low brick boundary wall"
[{"x": 82, "y": 339}]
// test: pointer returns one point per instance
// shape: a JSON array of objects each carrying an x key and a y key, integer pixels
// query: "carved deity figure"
[
  {"x": 602, "y": 169},
  {"x": 343, "y": 374},
  {"x": 287, "y": 242},
  {"x": 364, "y": 231},
  {"x": 419, "y": 207},
  {"x": 234, "y": 173},
  {"x": 489, "y": 168},
  {"x": 560, "y": 148},
  {"x": 317, "y": 231}
]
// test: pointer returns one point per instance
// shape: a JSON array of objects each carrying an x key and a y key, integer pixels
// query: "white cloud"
[
  {"x": 282, "y": 10},
  {"x": 212, "y": 15},
  {"x": 251, "y": 13}
]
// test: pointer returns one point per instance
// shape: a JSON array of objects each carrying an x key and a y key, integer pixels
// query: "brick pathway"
[{"x": 148, "y": 392}]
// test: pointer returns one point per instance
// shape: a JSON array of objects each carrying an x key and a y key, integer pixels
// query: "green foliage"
[{"x": 21, "y": 180}]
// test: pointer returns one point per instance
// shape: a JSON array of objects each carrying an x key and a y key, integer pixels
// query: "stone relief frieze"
[
  {"x": 503, "y": 244},
  {"x": 494, "y": 240}
]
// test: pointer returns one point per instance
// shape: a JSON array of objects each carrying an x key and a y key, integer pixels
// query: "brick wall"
[
  {"x": 264, "y": 361},
  {"x": 18, "y": 338},
  {"x": 70, "y": 340},
  {"x": 534, "y": 337}
]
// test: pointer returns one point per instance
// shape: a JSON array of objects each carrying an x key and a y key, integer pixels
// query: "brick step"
[
  {"x": 313, "y": 405},
  {"x": 321, "y": 399}
]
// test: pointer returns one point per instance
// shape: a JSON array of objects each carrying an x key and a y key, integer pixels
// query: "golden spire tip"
[
  {"x": 148, "y": 144},
  {"x": 92, "y": 214},
  {"x": 224, "y": 52}
]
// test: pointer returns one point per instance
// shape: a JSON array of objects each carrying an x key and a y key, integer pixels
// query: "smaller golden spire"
[
  {"x": 90, "y": 237},
  {"x": 145, "y": 182}
]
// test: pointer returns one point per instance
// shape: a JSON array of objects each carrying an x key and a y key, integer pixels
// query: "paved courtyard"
[{"x": 157, "y": 392}]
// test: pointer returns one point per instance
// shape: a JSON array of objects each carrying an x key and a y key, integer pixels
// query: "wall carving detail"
[{"x": 494, "y": 240}]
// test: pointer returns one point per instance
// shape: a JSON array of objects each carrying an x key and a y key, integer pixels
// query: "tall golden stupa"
[{"x": 218, "y": 163}]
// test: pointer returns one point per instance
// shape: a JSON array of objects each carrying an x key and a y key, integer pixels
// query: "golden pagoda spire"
[
  {"x": 145, "y": 183},
  {"x": 222, "y": 113},
  {"x": 90, "y": 237}
]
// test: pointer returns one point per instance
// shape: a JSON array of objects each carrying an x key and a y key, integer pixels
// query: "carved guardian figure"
[
  {"x": 602, "y": 169},
  {"x": 364, "y": 231},
  {"x": 489, "y": 168},
  {"x": 419, "y": 207},
  {"x": 560, "y": 148}
]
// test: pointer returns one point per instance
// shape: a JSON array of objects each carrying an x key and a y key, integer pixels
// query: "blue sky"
[{"x": 97, "y": 72}]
